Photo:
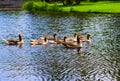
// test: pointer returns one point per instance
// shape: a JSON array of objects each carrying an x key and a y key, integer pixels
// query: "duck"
[
  {"x": 40, "y": 41},
  {"x": 73, "y": 44},
  {"x": 83, "y": 39},
  {"x": 72, "y": 38},
  {"x": 15, "y": 42}
]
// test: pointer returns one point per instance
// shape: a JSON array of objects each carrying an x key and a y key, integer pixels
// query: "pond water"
[{"x": 97, "y": 61}]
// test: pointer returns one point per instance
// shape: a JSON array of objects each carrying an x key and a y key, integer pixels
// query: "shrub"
[
  {"x": 35, "y": 6},
  {"x": 28, "y": 5}
]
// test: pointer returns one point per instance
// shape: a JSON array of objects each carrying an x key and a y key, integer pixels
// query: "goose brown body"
[
  {"x": 72, "y": 44},
  {"x": 54, "y": 36},
  {"x": 57, "y": 41},
  {"x": 40, "y": 41},
  {"x": 54, "y": 40},
  {"x": 15, "y": 42},
  {"x": 70, "y": 39},
  {"x": 86, "y": 39}
]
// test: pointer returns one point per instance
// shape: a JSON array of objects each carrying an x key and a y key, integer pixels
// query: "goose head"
[
  {"x": 75, "y": 34},
  {"x": 65, "y": 37},
  {"x": 88, "y": 36},
  {"x": 54, "y": 35}
]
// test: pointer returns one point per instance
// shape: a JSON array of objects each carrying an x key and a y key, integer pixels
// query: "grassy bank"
[{"x": 103, "y": 7}]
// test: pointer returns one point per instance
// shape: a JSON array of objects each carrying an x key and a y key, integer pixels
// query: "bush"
[
  {"x": 55, "y": 8},
  {"x": 35, "y": 6},
  {"x": 28, "y": 5}
]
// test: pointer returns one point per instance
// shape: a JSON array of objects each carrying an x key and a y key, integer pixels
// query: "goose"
[
  {"x": 77, "y": 44},
  {"x": 15, "y": 42},
  {"x": 40, "y": 41},
  {"x": 74, "y": 38},
  {"x": 54, "y": 36},
  {"x": 54, "y": 40},
  {"x": 86, "y": 39}
]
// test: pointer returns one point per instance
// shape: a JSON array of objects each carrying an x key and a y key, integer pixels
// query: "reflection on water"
[{"x": 98, "y": 61}]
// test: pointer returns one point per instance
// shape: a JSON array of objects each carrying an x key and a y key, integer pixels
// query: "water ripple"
[{"x": 97, "y": 61}]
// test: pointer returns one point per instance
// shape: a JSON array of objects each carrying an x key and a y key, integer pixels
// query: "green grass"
[{"x": 102, "y": 7}]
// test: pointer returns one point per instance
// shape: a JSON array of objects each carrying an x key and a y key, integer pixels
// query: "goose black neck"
[
  {"x": 64, "y": 39},
  {"x": 88, "y": 37},
  {"x": 78, "y": 40},
  {"x": 45, "y": 39},
  {"x": 20, "y": 38},
  {"x": 54, "y": 36},
  {"x": 75, "y": 35}
]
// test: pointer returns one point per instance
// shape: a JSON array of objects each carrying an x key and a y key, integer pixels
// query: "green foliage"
[
  {"x": 71, "y": 2},
  {"x": 28, "y": 5},
  {"x": 35, "y": 6},
  {"x": 55, "y": 8},
  {"x": 71, "y": 10},
  {"x": 104, "y": 7}
]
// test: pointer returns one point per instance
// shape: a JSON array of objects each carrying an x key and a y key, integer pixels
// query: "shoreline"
[
  {"x": 10, "y": 9},
  {"x": 83, "y": 7},
  {"x": 20, "y": 9}
]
